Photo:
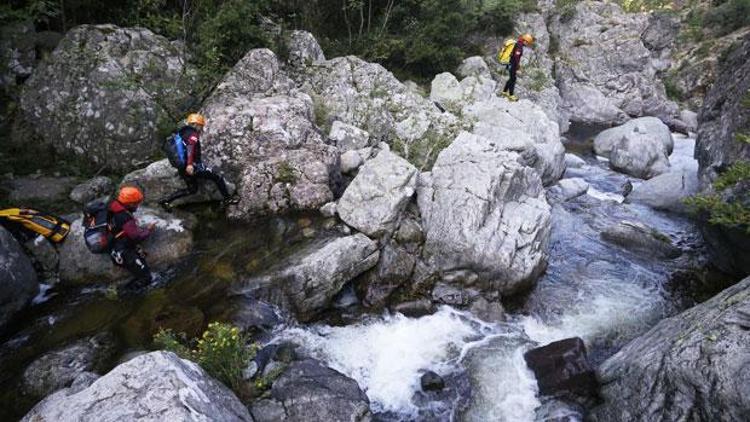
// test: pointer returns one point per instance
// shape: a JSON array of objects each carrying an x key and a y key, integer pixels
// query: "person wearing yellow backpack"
[{"x": 510, "y": 56}]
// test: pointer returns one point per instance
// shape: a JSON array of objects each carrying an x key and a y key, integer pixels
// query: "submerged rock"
[
  {"x": 19, "y": 281},
  {"x": 642, "y": 239},
  {"x": 374, "y": 200},
  {"x": 308, "y": 391},
  {"x": 171, "y": 241},
  {"x": 157, "y": 385},
  {"x": 691, "y": 366},
  {"x": 59, "y": 368},
  {"x": 483, "y": 211},
  {"x": 307, "y": 282},
  {"x": 100, "y": 96}
]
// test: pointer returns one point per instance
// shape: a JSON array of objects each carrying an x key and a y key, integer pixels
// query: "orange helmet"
[
  {"x": 130, "y": 195},
  {"x": 527, "y": 39},
  {"x": 196, "y": 119}
]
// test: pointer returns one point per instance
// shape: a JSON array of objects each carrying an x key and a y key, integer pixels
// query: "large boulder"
[
  {"x": 153, "y": 386},
  {"x": 18, "y": 279},
  {"x": 104, "y": 92},
  {"x": 639, "y": 147},
  {"x": 652, "y": 127},
  {"x": 723, "y": 122},
  {"x": 36, "y": 189},
  {"x": 171, "y": 241},
  {"x": 485, "y": 212},
  {"x": 307, "y": 281},
  {"x": 96, "y": 187},
  {"x": 308, "y": 392},
  {"x": 261, "y": 132},
  {"x": 521, "y": 127},
  {"x": 667, "y": 191},
  {"x": 373, "y": 202},
  {"x": 604, "y": 71},
  {"x": 693, "y": 366},
  {"x": 59, "y": 368}
]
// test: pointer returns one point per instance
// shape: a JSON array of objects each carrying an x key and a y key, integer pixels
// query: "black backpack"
[
  {"x": 175, "y": 149},
  {"x": 97, "y": 234}
]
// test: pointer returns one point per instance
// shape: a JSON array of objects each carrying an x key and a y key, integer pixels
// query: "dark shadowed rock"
[
  {"x": 59, "y": 368},
  {"x": 308, "y": 391},
  {"x": 562, "y": 369},
  {"x": 431, "y": 381},
  {"x": 723, "y": 120},
  {"x": 694, "y": 366},
  {"x": 101, "y": 95},
  {"x": 97, "y": 187},
  {"x": 19, "y": 281}
]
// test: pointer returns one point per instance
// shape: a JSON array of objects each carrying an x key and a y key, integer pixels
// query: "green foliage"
[
  {"x": 726, "y": 16},
  {"x": 673, "y": 92},
  {"x": 635, "y": 6},
  {"x": 285, "y": 173},
  {"x": 538, "y": 79},
  {"x": 566, "y": 9},
  {"x": 733, "y": 213},
  {"x": 742, "y": 137},
  {"x": 423, "y": 152},
  {"x": 222, "y": 351}
]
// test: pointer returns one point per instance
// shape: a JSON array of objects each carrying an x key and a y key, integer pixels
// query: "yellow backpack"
[
  {"x": 50, "y": 226},
  {"x": 503, "y": 56}
]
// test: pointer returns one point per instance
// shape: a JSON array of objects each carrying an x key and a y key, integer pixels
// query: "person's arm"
[{"x": 135, "y": 233}]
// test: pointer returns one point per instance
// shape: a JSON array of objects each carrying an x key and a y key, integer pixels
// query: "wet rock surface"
[
  {"x": 171, "y": 241},
  {"x": 307, "y": 282},
  {"x": 690, "y": 364},
  {"x": 562, "y": 369},
  {"x": 155, "y": 385},
  {"x": 19, "y": 280},
  {"x": 641, "y": 239}
]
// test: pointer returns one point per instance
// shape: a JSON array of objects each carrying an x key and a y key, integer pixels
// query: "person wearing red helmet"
[
  {"x": 127, "y": 234},
  {"x": 515, "y": 65},
  {"x": 193, "y": 167}
]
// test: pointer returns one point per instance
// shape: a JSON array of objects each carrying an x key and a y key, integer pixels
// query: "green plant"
[
  {"x": 742, "y": 137},
  {"x": 538, "y": 79},
  {"x": 285, "y": 173},
  {"x": 728, "y": 15},
  {"x": 673, "y": 92},
  {"x": 222, "y": 351},
  {"x": 729, "y": 213}
]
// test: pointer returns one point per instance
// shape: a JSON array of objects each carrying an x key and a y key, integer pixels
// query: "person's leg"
[
  {"x": 134, "y": 262},
  {"x": 208, "y": 174},
  {"x": 510, "y": 86},
  {"x": 191, "y": 189}
]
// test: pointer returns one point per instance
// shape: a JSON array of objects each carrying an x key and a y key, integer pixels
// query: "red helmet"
[{"x": 130, "y": 195}]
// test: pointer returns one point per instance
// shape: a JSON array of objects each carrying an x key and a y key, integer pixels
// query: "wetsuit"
[
  {"x": 515, "y": 64},
  {"x": 126, "y": 251},
  {"x": 191, "y": 137}
]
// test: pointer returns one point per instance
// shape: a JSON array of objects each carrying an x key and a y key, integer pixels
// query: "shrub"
[
  {"x": 732, "y": 213},
  {"x": 728, "y": 15},
  {"x": 222, "y": 351}
]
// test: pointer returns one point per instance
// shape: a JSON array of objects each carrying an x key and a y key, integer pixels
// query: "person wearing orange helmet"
[
  {"x": 193, "y": 168},
  {"x": 127, "y": 234},
  {"x": 515, "y": 65}
]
